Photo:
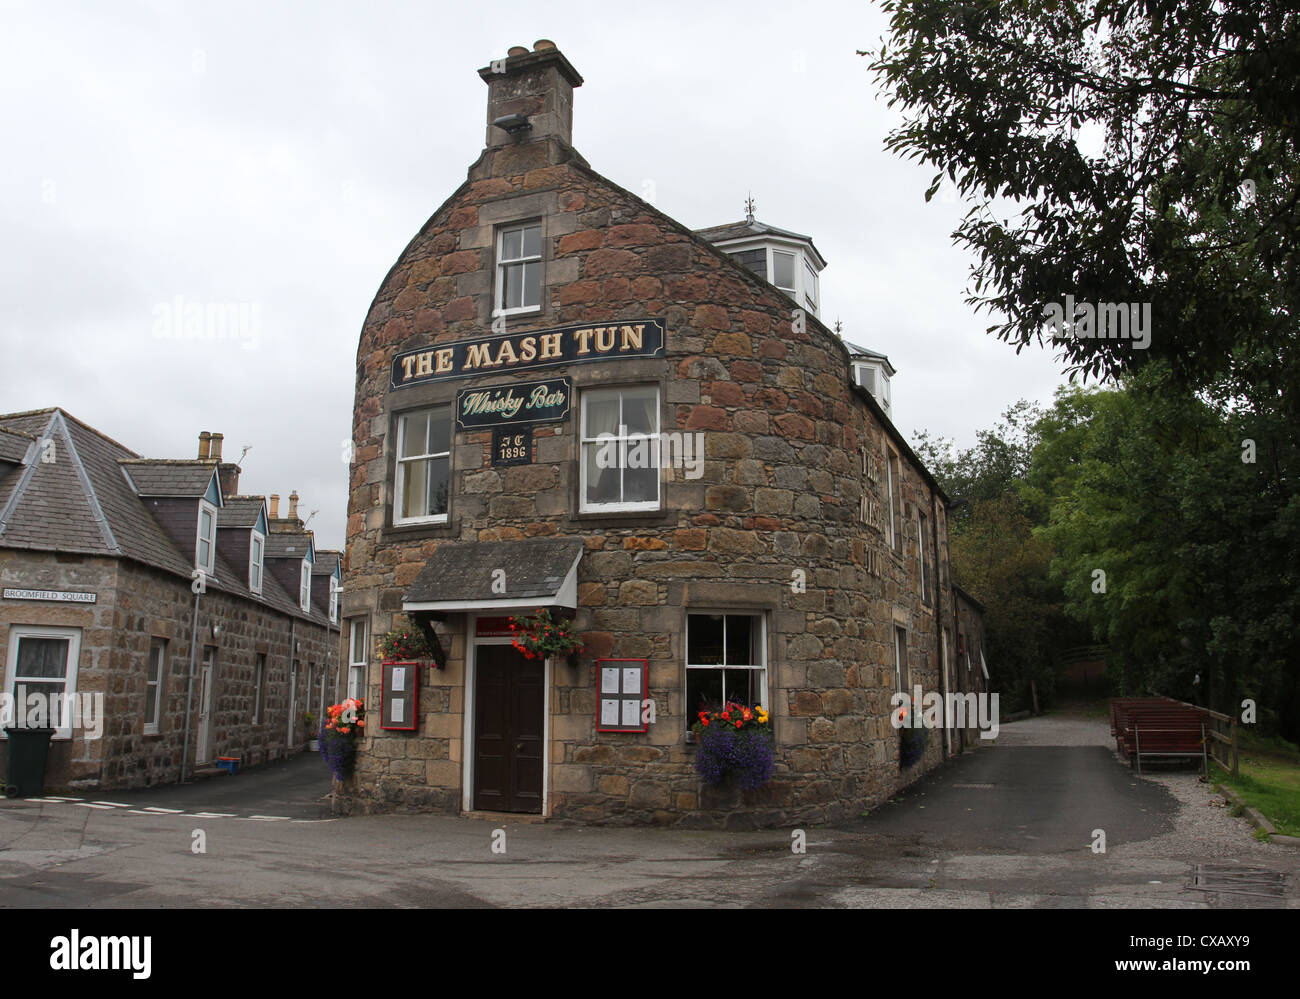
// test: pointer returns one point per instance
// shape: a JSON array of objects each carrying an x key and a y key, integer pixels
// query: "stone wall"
[
  {"x": 134, "y": 605},
  {"x": 781, "y": 493}
]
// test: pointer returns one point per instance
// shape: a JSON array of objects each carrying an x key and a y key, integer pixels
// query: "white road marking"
[
  {"x": 163, "y": 811},
  {"x": 89, "y": 804},
  {"x": 53, "y": 798},
  {"x": 213, "y": 815},
  {"x": 267, "y": 818},
  {"x": 113, "y": 804}
]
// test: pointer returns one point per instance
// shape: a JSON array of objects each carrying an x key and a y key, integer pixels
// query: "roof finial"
[
  {"x": 749, "y": 207},
  {"x": 839, "y": 327}
]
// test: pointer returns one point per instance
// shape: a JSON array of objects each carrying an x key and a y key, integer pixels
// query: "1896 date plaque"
[{"x": 512, "y": 446}]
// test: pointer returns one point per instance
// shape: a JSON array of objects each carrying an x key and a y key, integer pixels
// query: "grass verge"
[{"x": 1269, "y": 781}]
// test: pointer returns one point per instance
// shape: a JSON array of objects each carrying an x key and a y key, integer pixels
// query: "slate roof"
[
  {"x": 857, "y": 351},
  {"x": 753, "y": 229},
  {"x": 240, "y": 511},
  {"x": 327, "y": 562},
  {"x": 154, "y": 477},
  {"x": 288, "y": 544},
  {"x": 534, "y": 567},
  {"x": 14, "y": 445},
  {"x": 83, "y": 502}
]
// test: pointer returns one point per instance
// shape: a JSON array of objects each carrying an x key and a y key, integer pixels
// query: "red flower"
[
  {"x": 704, "y": 722},
  {"x": 739, "y": 723}
]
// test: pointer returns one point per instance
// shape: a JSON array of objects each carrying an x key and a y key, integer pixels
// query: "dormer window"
[
  {"x": 873, "y": 371},
  {"x": 788, "y": 267},
  {"x": 787, "y": 260},
  {"x": 205, "y": 553},
  {"x": 255, "y": 553},
  {"x": 304, "y": 593},
  {"x": 334, "y": 600}
]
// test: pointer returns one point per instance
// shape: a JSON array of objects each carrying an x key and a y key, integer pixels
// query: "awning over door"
[{"x": 505, "y": 575}]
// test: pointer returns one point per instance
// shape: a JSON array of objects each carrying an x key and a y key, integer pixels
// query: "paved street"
[{"x": 1007, "y": 826}]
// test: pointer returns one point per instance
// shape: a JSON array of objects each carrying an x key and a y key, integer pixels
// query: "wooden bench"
[{"x": 1158, "y": 727}]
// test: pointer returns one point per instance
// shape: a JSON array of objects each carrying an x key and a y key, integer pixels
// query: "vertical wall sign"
[
  {"x": 622, "y": 693},
  {"x": 399, "y": 706}
]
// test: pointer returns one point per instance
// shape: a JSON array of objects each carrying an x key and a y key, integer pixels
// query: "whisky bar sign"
[
  {"x": 522, "y": 402},
  {"x": 528, "y": 350}
]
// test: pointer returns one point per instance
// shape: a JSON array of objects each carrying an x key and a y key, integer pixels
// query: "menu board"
[
  {"x": 400, "y": 697},
  {"x": 622, "y": 693}
]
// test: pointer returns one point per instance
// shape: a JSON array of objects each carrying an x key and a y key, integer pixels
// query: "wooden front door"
[{"x": 509, "y": 707}]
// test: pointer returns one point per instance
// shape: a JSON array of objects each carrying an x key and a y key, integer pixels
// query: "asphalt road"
[{"x": 1009, "y": 825}]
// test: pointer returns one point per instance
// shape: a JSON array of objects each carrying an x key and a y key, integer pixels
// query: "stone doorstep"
[{"x": 503, "y": 817}]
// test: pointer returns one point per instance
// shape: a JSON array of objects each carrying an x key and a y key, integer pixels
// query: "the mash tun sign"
[
  {"x": 522, "y": 402},
  {"x": 532, "y": 349}
]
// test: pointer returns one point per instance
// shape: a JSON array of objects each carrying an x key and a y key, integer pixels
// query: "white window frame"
[
  {"x": 357, "y": 667},
  {"x": 17, "y": 632},
  {"x": 399, "y": 474},
  {"x": 210, "y": 566},
  {"x": 154, "y": 696},
  {"x": 502, "y": 264},
  {"x": 304, "y": 587},
  {"x": 334, "y": 600},
  {"x": 620, "y": 441},
  {"x": 256, "y": 563},
  {"x": 761, "y": 667},
  {"x": 809, "y": 289}
]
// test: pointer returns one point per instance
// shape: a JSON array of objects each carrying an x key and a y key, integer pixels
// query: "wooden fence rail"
[{"x": 1221, "y": 730}]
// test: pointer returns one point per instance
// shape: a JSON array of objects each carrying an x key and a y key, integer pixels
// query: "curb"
[{"x": 1259, "y": 821}]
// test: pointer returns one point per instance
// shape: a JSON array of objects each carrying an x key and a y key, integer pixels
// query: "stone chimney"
[
  {"x": 275, "y": 506},
  {"x": 205, "y": 444},
  {"x": 228, "y": 474},
  {"x": 215, "y": 454},
  {"x": 293, "y": 505},
  {"x": 538, "y": 85}
]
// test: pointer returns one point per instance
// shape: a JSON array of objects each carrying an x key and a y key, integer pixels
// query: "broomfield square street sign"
[{"x": 532, "y": 349}]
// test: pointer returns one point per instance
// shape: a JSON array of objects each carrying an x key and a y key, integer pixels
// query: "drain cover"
[{"x": 1238, "y": 880}]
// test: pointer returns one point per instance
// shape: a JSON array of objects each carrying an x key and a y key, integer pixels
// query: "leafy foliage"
[{"x": 1119, "y": 151}]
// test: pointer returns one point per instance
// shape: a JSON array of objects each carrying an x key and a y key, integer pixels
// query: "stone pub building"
[{"x": 784, "y": 548}]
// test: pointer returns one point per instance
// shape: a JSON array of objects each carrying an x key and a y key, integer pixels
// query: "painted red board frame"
[
  {"x": 641, "y": 699},
  {"x": 411, "y": 694}
]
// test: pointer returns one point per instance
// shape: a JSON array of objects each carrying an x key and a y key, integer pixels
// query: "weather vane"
[{"x": 749, "y": 206}]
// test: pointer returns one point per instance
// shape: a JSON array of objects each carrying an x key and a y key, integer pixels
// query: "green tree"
[{"x": 1189, "y": 204}]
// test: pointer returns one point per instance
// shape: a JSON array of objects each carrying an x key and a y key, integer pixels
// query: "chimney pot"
[
  {"x": 293, "y": 505},
  {"x": 205, "y": 442},
  {"x": 517, "y": 50},
  {"x": 275, "y": 506},
  {"x": 542, "y": 44},
  {"x": 215, "y": 454}
]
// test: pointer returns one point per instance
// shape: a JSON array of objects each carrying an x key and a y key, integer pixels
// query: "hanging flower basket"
[
  {"x": 911, "y": 746},
  {"x": 736, "y": 741},
  {"x": 344, "y": 725},
  {"x": 542, "y": 637},
  {"x": 408, "y": 645}
]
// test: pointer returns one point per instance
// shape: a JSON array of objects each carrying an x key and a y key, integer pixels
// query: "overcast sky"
[{"x": 277, "y": 157}]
